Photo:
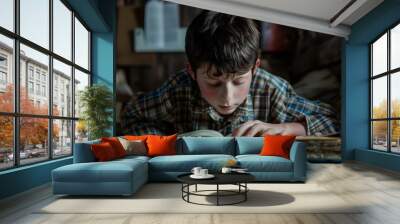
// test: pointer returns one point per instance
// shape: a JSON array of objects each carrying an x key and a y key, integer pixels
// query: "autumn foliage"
[
  {"x": 380, "y": 127},
  {"x": 33, "y": 131}
]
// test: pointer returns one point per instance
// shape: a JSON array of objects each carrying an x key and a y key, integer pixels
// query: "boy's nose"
[{"x": 227, "y": 96}]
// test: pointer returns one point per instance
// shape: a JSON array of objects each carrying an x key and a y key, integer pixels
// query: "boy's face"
[{"x": 225, "y": 92}]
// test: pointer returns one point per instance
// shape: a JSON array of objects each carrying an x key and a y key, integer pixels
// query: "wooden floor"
[{"x": 377, "y": 188}]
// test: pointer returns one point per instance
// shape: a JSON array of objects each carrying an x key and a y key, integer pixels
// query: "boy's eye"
[{"x": 238, "y": 83}]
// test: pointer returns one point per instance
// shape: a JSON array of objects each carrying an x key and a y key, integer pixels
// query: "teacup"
[
  {"x": 196, "y": 170},
  {"x": 203, "y": 172}
]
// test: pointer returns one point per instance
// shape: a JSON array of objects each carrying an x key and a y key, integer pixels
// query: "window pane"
[
  {"x": 379, "y": 97},
  {"x": 6, "y": 74},
  {"x": 81, "y": 45},
  {"x": 395, "y": 129},
  {"x": 7, "y": 14},
  {"x": 379, "y": 56},
  {"x": 33, "y": 140},
  {"x": 395, "y": 47},
  {"x": 81, "y": 81},
  {"x": 379, "y": 135},
  {"x": 62, "y": 89},
  {"x": 395, "y": 94},
  {"x": 62, "y": 138},
  {"x": 81, "y": 131},
  {"x": 35, "y": 21},
  {"x": 34, "y": 78},
  {"x": 6, "y": 142},
  {"x": 62, "y": 29}
]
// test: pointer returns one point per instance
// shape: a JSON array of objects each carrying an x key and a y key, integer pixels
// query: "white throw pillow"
[{"x": 135, "y": 147}]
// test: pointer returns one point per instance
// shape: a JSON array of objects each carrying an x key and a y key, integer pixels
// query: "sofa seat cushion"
[
  {"x": 257, "y": 163},
  {"x": 112, "y": 171},
  {"x": 184, "y": 163}
]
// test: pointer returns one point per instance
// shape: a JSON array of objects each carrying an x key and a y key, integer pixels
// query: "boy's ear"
[
  {"x": 190, "y": 71},
  {"x": 258, "y": 63}
]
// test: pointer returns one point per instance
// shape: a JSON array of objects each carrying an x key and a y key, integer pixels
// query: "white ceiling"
[
  {"x": 320, "y": 9},
  {"x": 315, "y": 15}
]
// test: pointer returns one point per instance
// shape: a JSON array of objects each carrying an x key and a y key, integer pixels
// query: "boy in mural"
[{"x": 224, "y": 89}]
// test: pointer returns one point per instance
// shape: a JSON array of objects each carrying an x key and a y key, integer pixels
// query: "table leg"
[
  {"x": 217, "y": 194},
  {"x": 196, "y": 188},
  {"x": 245, "y": 193}
]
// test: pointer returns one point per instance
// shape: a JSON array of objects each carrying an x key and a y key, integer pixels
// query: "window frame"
[
  {"x": 16, "y": 114},
  {"x": 388, "y": 74}
]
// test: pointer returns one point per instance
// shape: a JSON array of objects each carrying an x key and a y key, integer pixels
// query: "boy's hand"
[{"x": 259, "y": 128}]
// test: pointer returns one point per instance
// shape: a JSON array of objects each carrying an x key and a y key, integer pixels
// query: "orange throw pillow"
[
  {"x": 103, "y": 151},
  {"x": 277, "y": 145},
  {"x": 116, "y": 145},
  {"x": 161, "y": 145}
]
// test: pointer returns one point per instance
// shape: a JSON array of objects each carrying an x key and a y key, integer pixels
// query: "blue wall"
[
  {"x": 100, "y": 16},
  {"x": 355, "y": 85},
  {"x": 104, "y": 52}
]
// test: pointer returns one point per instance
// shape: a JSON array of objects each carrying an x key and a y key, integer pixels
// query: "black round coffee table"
[{"x": 238, "y": 179}]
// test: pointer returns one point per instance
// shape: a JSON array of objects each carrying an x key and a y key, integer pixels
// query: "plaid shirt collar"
[{"x": 200, "y": 106}]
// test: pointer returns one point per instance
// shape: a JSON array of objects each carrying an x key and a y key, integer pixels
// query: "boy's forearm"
[{"x": 294, "y": 128}]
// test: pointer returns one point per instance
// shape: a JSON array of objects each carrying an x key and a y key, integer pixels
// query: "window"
[
  {"x": 38, "y": 89},
  {"x": 43, "y": 90},
  {"x": 3, "y": 71},
  {"x": 7, "y": 14},
  {"x": 44, "y": 77},
  {"x": 3, "y": 61},
  {"x": 42, "y": 68},
  {"x": 62, "y": 75},
  {"x": 81, "y": 45},
  {"x": 30, "y": 87},
  {"x": 30, "y": 72},
  {"x": 34, "y": 21},
  {"x": 38, "y": 74},
  {"x": 385, "y": 94},
  {"x": 7, "y": 71},
  {"x": 3, "y": 78}
]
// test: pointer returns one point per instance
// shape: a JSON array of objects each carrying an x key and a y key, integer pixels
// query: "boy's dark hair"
[{"x": 228, "y": 43}]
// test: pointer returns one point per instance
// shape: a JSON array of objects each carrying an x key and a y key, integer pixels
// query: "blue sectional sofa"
[{"x": 125, "y": 176}]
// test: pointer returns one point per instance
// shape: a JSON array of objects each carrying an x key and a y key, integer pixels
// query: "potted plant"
[{"x": 96, "y": 110}]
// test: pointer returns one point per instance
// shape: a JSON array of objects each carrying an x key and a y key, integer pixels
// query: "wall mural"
[{"x": 194, "y": 72}]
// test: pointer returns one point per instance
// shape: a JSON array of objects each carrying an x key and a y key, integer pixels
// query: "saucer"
[{"x": 208, "y": 176}]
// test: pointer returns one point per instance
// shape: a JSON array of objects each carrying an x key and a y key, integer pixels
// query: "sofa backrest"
[
  {"x": 249, "y": 145},
  {"x": 205, "y": 145},
  {"x": 83, "y": 152}
]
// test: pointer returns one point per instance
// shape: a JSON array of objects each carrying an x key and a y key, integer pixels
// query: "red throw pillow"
[
  {"x": 103, "y": 151},
  {"x": 116, "y": 145},
  {"x": 277, "y": 145},
  {"x": 161, "y": 145}
]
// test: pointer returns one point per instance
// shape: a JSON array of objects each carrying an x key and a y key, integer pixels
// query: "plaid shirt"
[{"x": 177, "y": 107}]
